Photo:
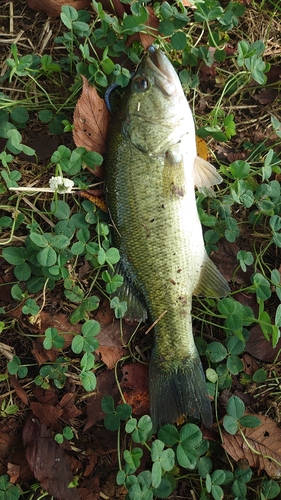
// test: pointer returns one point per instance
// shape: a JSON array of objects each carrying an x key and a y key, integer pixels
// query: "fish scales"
[{"x": 152, "y": 204}]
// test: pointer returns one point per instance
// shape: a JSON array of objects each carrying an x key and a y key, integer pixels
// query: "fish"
[{"x": 152, "y": 169}]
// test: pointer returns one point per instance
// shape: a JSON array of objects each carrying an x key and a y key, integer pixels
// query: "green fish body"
[{"x": 151, "y": 170}]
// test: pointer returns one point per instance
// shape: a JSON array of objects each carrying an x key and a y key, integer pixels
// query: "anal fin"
[{"x": 211, "y": 283}]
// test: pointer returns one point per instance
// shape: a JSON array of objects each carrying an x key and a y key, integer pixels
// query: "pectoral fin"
[
  {"x": 205, "y": 176},
  {"x": 136, "y": 310},
  {"x": 211, "y": 283}
]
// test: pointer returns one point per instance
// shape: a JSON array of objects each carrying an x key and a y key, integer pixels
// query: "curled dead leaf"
[{"x": 261, "y": 446}]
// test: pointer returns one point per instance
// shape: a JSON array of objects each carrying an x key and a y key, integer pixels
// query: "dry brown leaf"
[
  {"x": 139, "y": 401},
  {"x": 250, "y": 365},
  {"x": 266, "y": 96},
  {"x": 47, "y": 414},
  {"x": 19, "y": 390},
  {"x": 47, "y": 460},
  {"x": 259, "y": 347},
  {"x": 110, "y": 355},
  {"x": 14, "y": 472},
  {"x": 262, "y": 449},
  {"x": 67, "y": 404},
  {"x": 106, "y": 384},
  {"x": 114, "y": 7},
  {"x": 135, "y": 376},
  {"x": 91, "y": 120},
  {"x": 53, "y": 7}
]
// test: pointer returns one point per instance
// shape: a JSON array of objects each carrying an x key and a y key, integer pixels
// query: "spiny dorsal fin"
[{"x": 211, "y": 283}]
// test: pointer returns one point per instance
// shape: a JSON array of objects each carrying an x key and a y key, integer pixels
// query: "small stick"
[{"x": 155, "y": 322}]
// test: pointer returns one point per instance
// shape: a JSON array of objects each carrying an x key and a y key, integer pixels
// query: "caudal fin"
[{"x": 178, "y": 390}]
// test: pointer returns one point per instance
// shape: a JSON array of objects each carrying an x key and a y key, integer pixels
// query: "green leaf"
[
  {"x": 270, "y": 489},
  {"x": 112, "y": 422},
  {"x": 190, "y": 435},
  {"x": 30, "y": 307},
  {"x": 235, "y": 407},
  {"x": 22, "y": 272},
  {"x": 205, "y": 466},
  {"x": 187, "y": 458},
  {"x": 169, "y": 434},
  {"x": 240, "y": 169},
  {"x": 262, "y": 287},
  {"x": 230, "y": 424},
  {"x": 260, "y": 376},
  {"x": 156, "y": 449},
  {"x": 250, "y": 421},
  {"x": 217, "y": 492},
  {"x": 14, "y": 365},
  {"x": 178, "y": 40},
  {"x": 87, "y": 361},
  {"x": 156, "y": 474},
  {"x": 218, "y": 476},
  {"x": 39, "y": 240},
  {"x": 89, "y": 380},
  {"x": 77, "y": 344},
  {"x": 47, "y": 257},
  {"x": 216, "y": 352},
  {"x": 91, "y": 328},
  {"x": 14, "y": 255},
  {"x": 124, "y": 411},
  {"x": 107, "y": 405}
]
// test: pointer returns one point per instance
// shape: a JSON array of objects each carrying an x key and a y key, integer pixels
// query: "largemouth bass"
[{"x": 151, "y": 170}]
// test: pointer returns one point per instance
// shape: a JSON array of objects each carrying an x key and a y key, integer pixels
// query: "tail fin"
[{"x": 177, "y": 390}]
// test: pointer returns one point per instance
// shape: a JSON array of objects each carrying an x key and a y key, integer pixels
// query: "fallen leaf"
[
  {"x": 53, "y": 7},
  {"x": 266, "y": 96},
  {"x": 262, "y": 449},
  {"x": 19, "y": 390},
  {"x": 106, "y": 384},
  {"x": 47, "y": 460},
  {"x": 110, "y": 355},
  {"x": 114, "y": 7},
  {"x": 202, "y": 149},
  {"x": 91, "y": 120},
  {"x": 135, "y": 376},
  {"x": 250, "y": 365},
  {"x": 139, "y": 401},
  {"x": 69, "y": 410},
  {"x": 14, "y": 472},
  {"x": 92, "y": 457},
  {"x": 105, "y": 314},
  {"x": 136, "y": 380},
  {"x": 260, "y": 348},
  {"x": 46, "y": 396},
  {"x": 47, "y": 414}
]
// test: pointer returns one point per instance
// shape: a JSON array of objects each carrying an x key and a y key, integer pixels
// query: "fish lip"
[{"x": 166, "y": 77}]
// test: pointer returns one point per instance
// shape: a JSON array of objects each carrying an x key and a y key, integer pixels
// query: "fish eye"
[{"x": 141, "y": 84}]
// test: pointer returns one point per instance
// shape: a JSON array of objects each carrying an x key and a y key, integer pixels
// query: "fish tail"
[{"x": 178, "y": 389}]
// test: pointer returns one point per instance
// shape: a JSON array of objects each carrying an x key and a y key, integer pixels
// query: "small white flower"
[{"x": 61, "y": 184}]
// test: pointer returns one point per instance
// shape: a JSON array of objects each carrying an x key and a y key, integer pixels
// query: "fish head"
[{"x": 158, "y": 114}]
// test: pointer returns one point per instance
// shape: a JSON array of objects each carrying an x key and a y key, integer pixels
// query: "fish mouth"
[{"x": 166, "y": 77}]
